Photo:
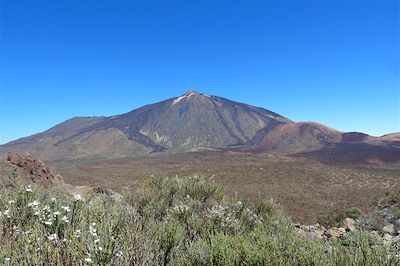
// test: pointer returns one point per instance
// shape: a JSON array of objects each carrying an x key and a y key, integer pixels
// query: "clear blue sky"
[{"x": 331, "y": 61}]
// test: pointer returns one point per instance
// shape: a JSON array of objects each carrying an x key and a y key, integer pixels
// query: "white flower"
[
  {"x": 100, "y": 248},
  {"x": 33, "y": 204},
  {"x": 7, "y": 213},
  {"x": 48, "y": 222},
  {"x": 66, "y": 208},
  {"x": 92, "y": 229},
  {"x": 88, "y": 260},
  {"x": 181, "y": 208},
  {"x": 53, "y": 199},
  {"x": 28, "y": 188},
  {"x": 56, "y": 213},
  {"x": 78, "y": 233},
  {"x": 11, "y": 201},
  {"x": 7, "y": 259},
  {"x": 65, "y": 219},
  {"x": 77, "y": 197},
  {"x": 52, "y": 237},
  {"x": 96, "y": 241},
  {"x": 119, "y": 254}
]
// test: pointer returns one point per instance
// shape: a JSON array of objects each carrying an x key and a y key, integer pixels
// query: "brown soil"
[{"x": 306, "y": 188}]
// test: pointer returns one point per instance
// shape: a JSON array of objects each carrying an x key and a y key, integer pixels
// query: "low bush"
[
  {"x": 389, "y": 198},
  {"x": 336, "y": 218},
  {"x": 186, "y": 221}
]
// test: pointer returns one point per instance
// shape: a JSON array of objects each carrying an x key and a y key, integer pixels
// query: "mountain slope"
[
  {"x": 295, "y": 137},
  {"x": 327, "y": 145},
  {"x": 178, "y": 124},
  {"x": 197, "y": 121}
]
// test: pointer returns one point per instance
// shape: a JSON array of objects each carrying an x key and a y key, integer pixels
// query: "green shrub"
[
  {"x": 336, "y": 218},
  {"x": 396, "y": 212},
  {"x": 390, "y": 198},
  {"x": 166, "y": 222}
]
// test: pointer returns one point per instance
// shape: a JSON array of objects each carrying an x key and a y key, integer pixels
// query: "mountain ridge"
[{"x": 192, "y": 121}]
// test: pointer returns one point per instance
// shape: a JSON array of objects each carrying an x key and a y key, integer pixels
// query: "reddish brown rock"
[{"x": 34, "y": 170}]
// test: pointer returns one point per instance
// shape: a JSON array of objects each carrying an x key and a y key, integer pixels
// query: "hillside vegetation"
[{"x": 186, "y": 221}]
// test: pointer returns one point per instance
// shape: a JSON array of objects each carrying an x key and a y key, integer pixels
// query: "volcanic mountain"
[
  {"x": 316, "y": 141},
  {"x": 193, "y": 121},
  {"x": 190, "y": 121}
]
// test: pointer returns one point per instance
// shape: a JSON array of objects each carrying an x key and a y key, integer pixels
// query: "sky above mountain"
[{"x": 335, "y": 62}]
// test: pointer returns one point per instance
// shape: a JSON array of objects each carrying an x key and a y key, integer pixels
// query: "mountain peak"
[
  {"x": 191, "y": 92},
  {"x": 187, "y": 95}
]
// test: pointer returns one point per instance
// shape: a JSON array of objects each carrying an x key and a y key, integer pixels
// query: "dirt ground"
[{"x": 305, "y": 188}]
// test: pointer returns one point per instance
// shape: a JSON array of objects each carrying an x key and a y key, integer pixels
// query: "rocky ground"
[{"x": 383, "y": 224}]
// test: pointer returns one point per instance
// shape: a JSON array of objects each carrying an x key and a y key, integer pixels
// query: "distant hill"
[{"x": 193, "y": 121}]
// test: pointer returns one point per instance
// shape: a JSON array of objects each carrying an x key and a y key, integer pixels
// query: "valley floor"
[{"x": 306, "y": 189}]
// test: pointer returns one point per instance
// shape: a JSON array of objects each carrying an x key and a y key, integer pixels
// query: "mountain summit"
[
  {"x": 190, "y": 121},
  {"x": 196, "y": 121}
]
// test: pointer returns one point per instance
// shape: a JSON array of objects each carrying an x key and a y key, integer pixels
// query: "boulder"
[
  {"x": 349, "y": 224},
  {"x": 389, "y": 229},
  {"x": 310, "y": 231},
  {"x": 34, "y": 171},
  {"x": 300, "y": 232},
  {"x": 387, "y": 239},
  {"x": 335, "y": 233}
]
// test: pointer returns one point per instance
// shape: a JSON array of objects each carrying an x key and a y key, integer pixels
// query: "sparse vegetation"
[
  {"x": 305, "y": 189},
  {"x": 335, "y": 218},
  {"x": 186, "y": 221},
  {"x": 396, "y": 212},
  {"x": 390, "y": 198}
]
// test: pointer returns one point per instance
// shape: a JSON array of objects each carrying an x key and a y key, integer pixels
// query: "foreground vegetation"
[{"x": 167, "y": 222}]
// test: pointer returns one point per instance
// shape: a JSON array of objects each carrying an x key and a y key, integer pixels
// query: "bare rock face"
[{"x": 34, "y": 170}]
